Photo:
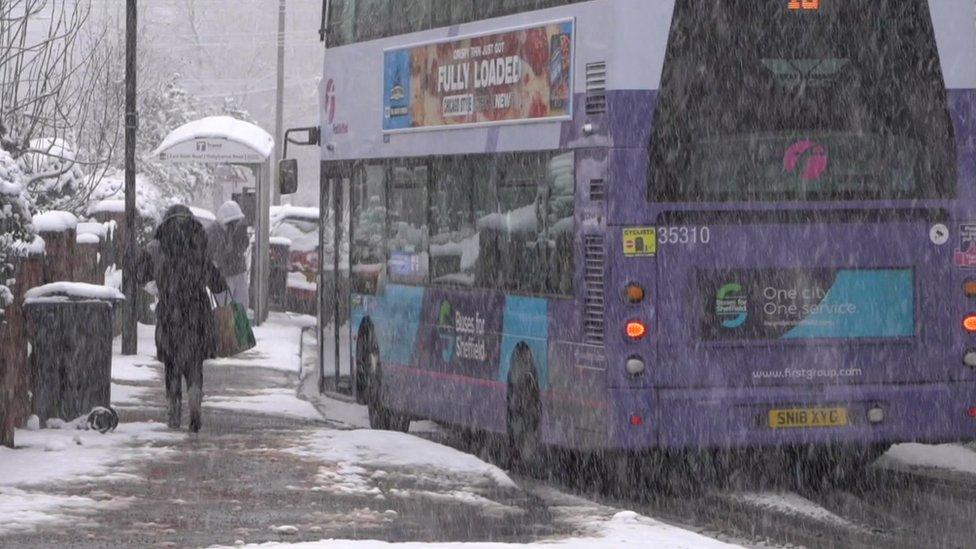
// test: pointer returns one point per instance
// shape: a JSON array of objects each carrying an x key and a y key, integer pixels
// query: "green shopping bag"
[{"x": 242, "y": 329}]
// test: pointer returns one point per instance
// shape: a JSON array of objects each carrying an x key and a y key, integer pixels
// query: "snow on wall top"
[
  {"x": 88, "y": 238},
  {"x": 97, "y": 229},
  {"x": 55, "y": 222},
  {"x": 221, "y": 127},
  {"x": 60, "y": 291}
]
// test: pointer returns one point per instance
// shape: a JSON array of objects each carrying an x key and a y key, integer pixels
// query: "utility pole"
[
  {"x": 130, "y": 325},
  {"x": 279, "y": 103}
]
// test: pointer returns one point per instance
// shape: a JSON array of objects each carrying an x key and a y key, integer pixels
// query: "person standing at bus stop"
[
  {"x": 231, "y": 252},
  {"x": 185, "y": 331}
]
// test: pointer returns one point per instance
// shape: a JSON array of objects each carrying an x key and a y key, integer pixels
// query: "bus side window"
[
  {"x": 461, "y": 193},
  {"x": 407, "y": 223},
  {"x": 560, "y": 223},
  {"x": 410, "y": 16},
  {"x": 519, "y": 227},
  {"x": 445, "y": 13},
  {"x": 372, "y": 19},
  {"x": 341, "y": 22},
  {"x": 368, "y": 227}
]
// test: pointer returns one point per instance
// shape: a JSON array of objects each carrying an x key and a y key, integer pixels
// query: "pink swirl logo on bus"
[{"x": 809, "y": 158}]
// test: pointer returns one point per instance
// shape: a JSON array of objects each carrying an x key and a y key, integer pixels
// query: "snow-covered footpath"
[
  {"x": 623, "y": 529},
  {"x": 46, "y": 459}
]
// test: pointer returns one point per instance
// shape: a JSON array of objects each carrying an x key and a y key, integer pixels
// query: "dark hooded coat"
[{"x": 185, "y": 328}]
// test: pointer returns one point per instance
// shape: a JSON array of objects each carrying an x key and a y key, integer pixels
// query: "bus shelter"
[{"x": 223, "y": 140}]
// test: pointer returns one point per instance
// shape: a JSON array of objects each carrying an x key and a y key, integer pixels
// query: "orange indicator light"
[
  {"x": 969, "y": 323},
  {"x": 635, "y": 293},
  {"x": 636, "y": 329},
  {"x": 803, "y": 5},
  {"x": 969, "y": 288}
]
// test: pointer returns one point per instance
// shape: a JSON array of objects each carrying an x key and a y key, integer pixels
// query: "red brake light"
[
  {"x": 636, "y": 420},
  {"x": 636, "y": 329},
  {"x": 972, "y": 413}
]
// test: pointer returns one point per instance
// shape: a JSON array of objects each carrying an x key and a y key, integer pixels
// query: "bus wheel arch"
[
  {"x": 365, "y": 341},
  {"x": 369, "y": 383},
  {"x": 523, "y": 417}
]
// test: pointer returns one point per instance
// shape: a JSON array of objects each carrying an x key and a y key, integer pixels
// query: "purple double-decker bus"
[{"x": 654, "y": 224}]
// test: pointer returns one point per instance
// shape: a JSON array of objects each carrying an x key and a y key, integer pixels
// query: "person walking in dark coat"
[{"x": 185, "y": 330}]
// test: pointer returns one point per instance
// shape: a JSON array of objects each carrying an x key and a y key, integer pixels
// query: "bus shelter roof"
[{"x": 217, "y": 140}]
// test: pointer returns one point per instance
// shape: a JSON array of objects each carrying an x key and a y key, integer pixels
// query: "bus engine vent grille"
[
  {"x": 596, "y": 88},
  {"x": 594, "y": 300},
  {"x": 598, "y": 190}
]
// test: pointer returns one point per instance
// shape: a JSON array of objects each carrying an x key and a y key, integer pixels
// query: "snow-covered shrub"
[
  {"x": 52, "y": 176},
  {"x": 162, "y": 112},
  {"x": 16, "y": 230}
]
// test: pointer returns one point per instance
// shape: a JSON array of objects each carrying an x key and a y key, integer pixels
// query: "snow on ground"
[
  {"x": 276, "y": 402},
  {"x": 142, "y": 367},
  {"x": 63, "y": 456},
  {"x": 623, "y": 529},
  {"x": 791, "y": 504},
  {"x": 278, "y": 344},
  {"x": 127, "y": 396},
  {"x": 55, "y": 455},
  {"x": 387, "y": 449},
  {"x": 385, "y": 464},
  {"x": 953, "y": 457}
]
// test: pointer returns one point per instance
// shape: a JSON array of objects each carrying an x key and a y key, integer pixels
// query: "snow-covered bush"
[
  {"x": 163, "y": 111},
  {"x": 16, "y": 230},
  {"x": 52, "y": 176}
]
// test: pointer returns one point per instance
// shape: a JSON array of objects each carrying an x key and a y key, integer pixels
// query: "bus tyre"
[
  {"x": 831, "y": 467},
  {"x": 380, "y": 417},
  {"x": 524, "y": 417}
]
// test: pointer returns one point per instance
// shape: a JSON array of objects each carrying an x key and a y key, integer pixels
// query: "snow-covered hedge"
[{"x": 16, "y": 230}]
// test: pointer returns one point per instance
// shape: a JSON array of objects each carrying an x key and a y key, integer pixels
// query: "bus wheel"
[
  {"x": 380, "y": 417},
  {"x": 524, "y": 417},
  {"x": 822, "y": 468}
]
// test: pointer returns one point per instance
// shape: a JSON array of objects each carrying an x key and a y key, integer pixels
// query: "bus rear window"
[{"x": 775, "y": 100}]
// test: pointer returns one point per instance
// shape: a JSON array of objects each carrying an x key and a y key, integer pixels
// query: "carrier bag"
[
  {"x": 243, "y": 334},
  {"x": 226, "y": 331}
]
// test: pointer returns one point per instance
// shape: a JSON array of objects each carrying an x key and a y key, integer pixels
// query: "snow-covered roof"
[
  {"x": 295, "y": 212},
  {"x": 220, "y": 127},
  {"x": 55, "y": 222}
]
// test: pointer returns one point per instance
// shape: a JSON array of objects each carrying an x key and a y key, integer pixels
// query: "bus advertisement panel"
[{"x": 524, "y": 74}]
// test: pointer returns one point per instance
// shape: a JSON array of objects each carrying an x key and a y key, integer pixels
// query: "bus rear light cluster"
[
  {"x": 636, "y": 330},
  {"x": 969, "y": 323}
]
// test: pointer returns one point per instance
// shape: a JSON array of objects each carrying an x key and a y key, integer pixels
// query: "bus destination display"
[{"x": 519, "y": 75}]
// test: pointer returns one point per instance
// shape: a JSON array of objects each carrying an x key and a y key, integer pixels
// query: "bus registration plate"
[{"x": 808, "y": 418}]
